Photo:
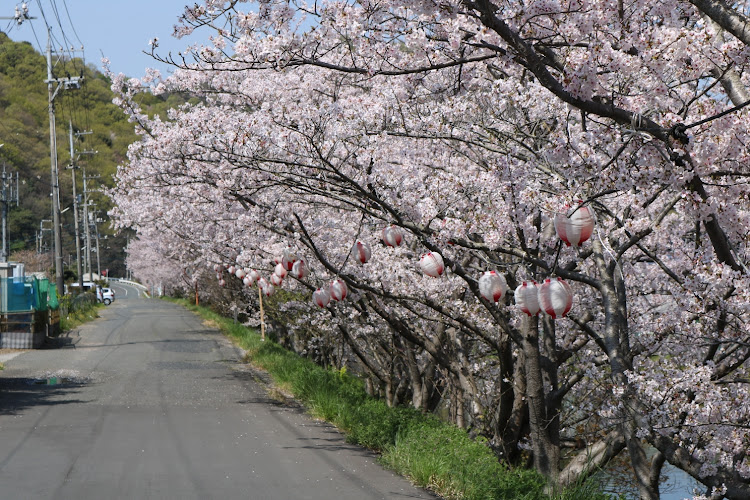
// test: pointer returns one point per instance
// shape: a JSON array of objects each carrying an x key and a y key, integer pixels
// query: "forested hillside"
[{"x": 24, "y": 133}]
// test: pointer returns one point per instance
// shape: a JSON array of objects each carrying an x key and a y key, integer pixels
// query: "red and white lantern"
[
  {"x": 288, "y": 259},
  {"x": 555, "y": 297},
  {"x": 299, "y": 269},
  {"x": 362, "y": 252},
  {"x": 492, "y": 286},
  {"x": 276, "y": 280},
  {"x": 527, "y": 297},
  {"x": 254, "y": 275},
  {"x": 217, "y": 268},
  {"x": 575, "y": 226},
  {"x": 266, "y": 288},
  {"x": 432, "y": 264},
  {"x": 321, "y": 297},
  {"x": 247, "y": 281},
  {"x": 338, "y": 290},
  {"x": 280, "y": 270},
  {"x": 231, "y": 269},
  {"x": 240, "y": 273},
  {"x": 392, "y": 236},
  {"x": 222, "y": 282}
]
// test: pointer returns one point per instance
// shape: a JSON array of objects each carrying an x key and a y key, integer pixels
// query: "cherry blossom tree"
[{"x": 468, "y": 126}]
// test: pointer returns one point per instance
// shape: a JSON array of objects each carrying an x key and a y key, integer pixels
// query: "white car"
[{"x": 106, "y": 295}]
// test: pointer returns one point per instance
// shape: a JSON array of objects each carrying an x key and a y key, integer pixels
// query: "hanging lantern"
[
  {"x": 338, "y": 290},
  {"x": 265, "y": 287},
  {"x": 231, "y": 269},
  {"x": 492, "y": 286},
  {"x": 362, "y": 252},
  {"x": 222, "y": 282},
  {"x": 577, "y": 227},
  {"x": 276, "y": 280},
  {"x": 527, "y": 297},
  {"x": 555, "y": 297},
  {"x": 321, "y": 297},
  {"x": 280, "y": 270},
  {"x": 247, "y": 281},
  {"x": 432, "y": 264},
  {"x": 240, "y": 273},
  {"x": 217, "y": 268},
  {"x": 288, "y": 259},
  {"x": 299, "y": 269},
  {"x": 254, "y": 275},
  {"x": 392, "y": 236}
]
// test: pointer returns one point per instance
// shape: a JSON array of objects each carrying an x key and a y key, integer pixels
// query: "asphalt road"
[{"x": 146, "y": 402}]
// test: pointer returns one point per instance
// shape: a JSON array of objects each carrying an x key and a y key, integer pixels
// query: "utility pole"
[
  {"x": 53, "y": 86},
  {"x": 86, "y": 218},
  {"x": 98, "y": 258},
  {"x": 8, "y": 193},
  {"x": 72, "y": 168},
  {"x": 41, "y": 248}
]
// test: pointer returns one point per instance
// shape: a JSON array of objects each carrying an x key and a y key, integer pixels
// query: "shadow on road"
[{"x": 19, "y": 394}]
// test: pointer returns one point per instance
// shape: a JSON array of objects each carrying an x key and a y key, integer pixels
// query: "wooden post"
[
  {"x": 262, "y": 319},
  {"x": 196, "y": 293}
]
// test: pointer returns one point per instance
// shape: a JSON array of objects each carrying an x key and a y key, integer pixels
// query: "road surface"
[{"x": 146, "y": 402}]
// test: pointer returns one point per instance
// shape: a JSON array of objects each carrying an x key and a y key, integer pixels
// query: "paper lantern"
[
  {"x": 231, "y": 269},
  {"x": 338, "y": 290},
  {"x": 254, "y": 275},
  {"x": 555, "y": 297},
  {"x": 392, "y": 236},
  {"x": 575, "y": 227},
  {"x": 280, "y": 270},
  {"x": 362, "y": 252},
  {"x": 299, "y": 269},
  {"x": 527, "y": 297},
  {"x": 247, "y": 281},
  {"x": 288, "y": 259},
  {"x": 432, "y": 264},
  {"x": 222, "y": 282},
  {"x": 276, "y": 280},
  {"x": 266, "y": 288},
  {"x": 240, "y": 273},
  {"x": 492, "y": 286},
  {"x": 217, "y": 268},
  {"x": 321, "y": 297}
]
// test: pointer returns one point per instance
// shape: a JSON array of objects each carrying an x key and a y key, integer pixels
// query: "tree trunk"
[{"x": 544, "y": 441}]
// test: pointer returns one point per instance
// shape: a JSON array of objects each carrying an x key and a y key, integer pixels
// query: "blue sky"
[{"x": 119, "y": 30}]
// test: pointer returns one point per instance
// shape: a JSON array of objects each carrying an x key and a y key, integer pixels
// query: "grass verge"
[
  {"x": 432, "y": 453},
  {"x": 78, "y": 313}
]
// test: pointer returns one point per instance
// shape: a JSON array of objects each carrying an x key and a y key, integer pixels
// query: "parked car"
[{"x": 106, "y": 295}]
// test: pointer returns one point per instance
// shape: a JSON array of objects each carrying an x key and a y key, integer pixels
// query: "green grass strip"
[{"x": 432, "y": 453}]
